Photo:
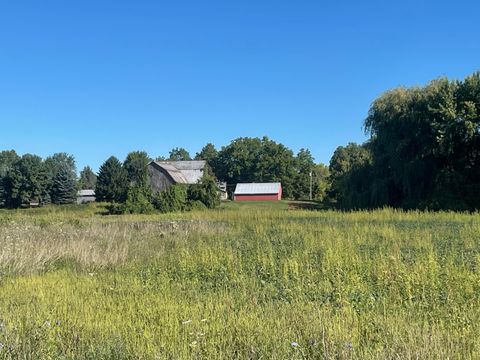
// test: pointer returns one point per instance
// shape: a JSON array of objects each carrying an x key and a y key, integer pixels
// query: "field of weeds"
[{"x": 246, "y": 281}]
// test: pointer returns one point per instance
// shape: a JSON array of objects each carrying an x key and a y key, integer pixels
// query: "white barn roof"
[
  {"x": 86, "y": 192},
  {"x": 258, "y": 188}
]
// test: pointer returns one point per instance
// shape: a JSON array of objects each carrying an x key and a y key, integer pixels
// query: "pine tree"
[
  {"x": 63, "y": 187},
  {"x": 88, "y": 179}
]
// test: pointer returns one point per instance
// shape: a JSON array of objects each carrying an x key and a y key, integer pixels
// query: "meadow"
[{"x": 248, "y": 281}]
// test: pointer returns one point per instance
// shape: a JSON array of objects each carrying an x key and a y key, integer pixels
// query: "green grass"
[{"x": 242, "y": 282}]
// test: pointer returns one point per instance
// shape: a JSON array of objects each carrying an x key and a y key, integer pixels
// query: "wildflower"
[
  {"x": 203, "y": 320},
  {"x": 349, "y": 346},
  {"x": 294, "y": 344},
  {"x": 193, "y": 343},
  {"x": 186, "y": 322}
]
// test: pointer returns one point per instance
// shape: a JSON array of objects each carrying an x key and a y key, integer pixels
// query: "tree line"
[
  {"x": 423, "y": 151},
  {"x": 29, "y": 178}
]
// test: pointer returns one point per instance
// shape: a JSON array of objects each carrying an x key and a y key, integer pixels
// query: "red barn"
[{"x": 258, "y": 192}]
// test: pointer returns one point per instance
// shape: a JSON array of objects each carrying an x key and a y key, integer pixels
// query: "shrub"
[
  {"x": 172, "y": 199},
  {"x": 206, "y": 192},
  {"x": 138, "y": 201}
]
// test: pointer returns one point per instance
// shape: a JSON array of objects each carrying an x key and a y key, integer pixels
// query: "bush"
[
  {"x": 195, "y": 205},
  {"x": 138, "y": 202},
  {"x": 206, "y": 192},
  {"x": 172, "y": 199}
]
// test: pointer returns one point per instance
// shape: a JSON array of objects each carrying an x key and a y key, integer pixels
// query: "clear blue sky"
[{"x": 96, "y": 78}]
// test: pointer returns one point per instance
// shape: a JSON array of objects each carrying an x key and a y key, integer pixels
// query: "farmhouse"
[
  {"x": 85, "y": 196},
  {"x": 258, "y": 192},
  {"x": 164, "y": 174}
]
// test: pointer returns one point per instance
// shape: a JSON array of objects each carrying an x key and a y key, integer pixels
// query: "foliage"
[
  {"x": 62, "y": 178},
  {"x": 172, "y": 199},
  {"x": 179, "y": 154},
  {"x": 7, "y": 159},
  {"x": 139, "y": 201},
  {"x": 136, "y": 168},
  {"x": 424, "y": 149},
  {"x": 305, "y": 165},
  {"x": 64, "y": 187},
  {"x": 349, "y": 175},
  {"x": 27, "y": 181},
  {"x": 321, "y": 182},
  {"x": 242, "y": 282},
  {"x": 111, "y": 181},
  {"x": 205, "y": 192},
  {"x": 88, "y": 179},
  {"x": 257, "y": 160},
  {"x": 209, "y": 154}
]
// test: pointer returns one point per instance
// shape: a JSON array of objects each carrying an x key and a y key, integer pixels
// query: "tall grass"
[{"x": 247, "y": 281}]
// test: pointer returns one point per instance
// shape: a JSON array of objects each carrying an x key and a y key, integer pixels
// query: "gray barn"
[
  {"x": 164, "y": 174},
  {"x": 85, "y": 196}
]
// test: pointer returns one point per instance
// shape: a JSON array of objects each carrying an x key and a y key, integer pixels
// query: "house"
[
  {"x": 164, "y": 174},
  {"x": 258, "y": 192},
  {"x": 85, "y": 196}
]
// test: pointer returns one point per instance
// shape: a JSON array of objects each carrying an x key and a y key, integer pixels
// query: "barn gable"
[{"x": 166, "y": 173}]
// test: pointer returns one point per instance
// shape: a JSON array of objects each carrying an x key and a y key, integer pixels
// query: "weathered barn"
[
  {"x": 258, "y": 192},
  {"x": 164, "y": 174},
  {"x": 85, "y": 196}
]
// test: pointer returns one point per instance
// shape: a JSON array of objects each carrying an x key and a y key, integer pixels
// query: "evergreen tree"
[
  {"x": 111, "y": 181},
  {"x": 7, "y": 159},
  {"x": 63, "y": 187},
  {"x": 88, "y": 179},
  {"x": 61, "y": 167}
]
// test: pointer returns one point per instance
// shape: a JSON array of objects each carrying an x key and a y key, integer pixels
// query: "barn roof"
[
  {"x": 258, "y": 188},
  {"x": 183, "y": 172},
  {"x": 87, "y": 192}
]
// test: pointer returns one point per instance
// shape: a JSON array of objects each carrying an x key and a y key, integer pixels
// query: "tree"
[
  {"x": 88, "y": 179},
  {"x": 7, "y": 159},
  {"x": 27, "y": 181},
  {"x": 321, "y": 182},
  {"x": 205, "y": 192},
  {"x": 111, "y": 181},
  {"x": 136, "y": 168},
  {"x": 63, "y": 187},
  {"x": 179, "y": 154},
  {"x": 172, "y": 199},
  {"x": 209, "y": 154},
  {"x": 139, "y": 201},
  {"x": 257, "y": 160},
  {"x": 349, "y": 173},
  {"x": 62, "y": 174},
  {"x": 304, "y": 167}
]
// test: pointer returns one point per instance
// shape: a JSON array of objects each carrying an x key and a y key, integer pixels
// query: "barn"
[
  {"x": 164, "y": 174},
  {"x": 258, "y": 192},
  {"x": 85, "y": 196}
]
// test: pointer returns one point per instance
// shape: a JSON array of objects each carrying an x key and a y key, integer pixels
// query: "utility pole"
[{"x": 310, "y": 185}]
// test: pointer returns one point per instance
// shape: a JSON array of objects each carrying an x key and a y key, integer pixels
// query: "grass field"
[{"x": 248, "y": 281}]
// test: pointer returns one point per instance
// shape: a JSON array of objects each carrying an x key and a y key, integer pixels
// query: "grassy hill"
[{"x": 250, "y": 280}]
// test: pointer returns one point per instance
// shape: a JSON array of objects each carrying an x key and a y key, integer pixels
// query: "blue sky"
[{"x": 97, "y": 78}]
